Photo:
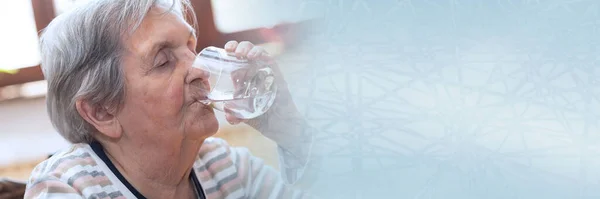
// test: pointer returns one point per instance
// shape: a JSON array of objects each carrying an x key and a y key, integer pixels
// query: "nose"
[
  {"x": 195, "y": 69},
  {"x": 196, "y": 72},
  {"x": 197, "y": 80}
]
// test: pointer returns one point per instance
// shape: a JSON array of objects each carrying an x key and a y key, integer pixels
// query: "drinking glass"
[{"x": 244, "y": 88}]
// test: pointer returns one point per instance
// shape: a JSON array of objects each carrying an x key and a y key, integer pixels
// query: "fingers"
[
  {"x": 246, "y": 49},
  {"x": 232, "y": 119},
  {"x": 256, "y": 52},
  {"x": 243, "y": 48},
  {"x": 230, "y": 116},
  {"x": 230, "y": 46}
]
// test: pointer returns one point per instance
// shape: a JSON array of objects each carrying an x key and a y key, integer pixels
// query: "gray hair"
[{"x": 81, "y": 58}]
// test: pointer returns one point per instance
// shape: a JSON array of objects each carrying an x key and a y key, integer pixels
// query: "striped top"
[{"x": 223, "y": 171}]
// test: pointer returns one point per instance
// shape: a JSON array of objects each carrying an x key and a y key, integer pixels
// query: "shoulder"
[
  {"x": 215, "y": 149},
  {"x": 214, "y": 146},
  {"x": 211, "y": 144},
  {"x": 59, "y": 174},
  {"x": 222, "y": 169},
  {"x": 216, "y": 154},
  {"x": 64, "y": 163}
]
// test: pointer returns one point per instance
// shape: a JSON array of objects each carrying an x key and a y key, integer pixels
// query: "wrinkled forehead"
[
  {"x": 160, "y": 8},
  {"x": 155, "y": 18},
  {"x": 160, "y": 27},
  {"x": 172, "y": 6},
  {"x": 161, "y": 19}
]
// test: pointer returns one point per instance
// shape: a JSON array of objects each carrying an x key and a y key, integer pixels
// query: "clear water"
[{"x": 243, "y": 108}]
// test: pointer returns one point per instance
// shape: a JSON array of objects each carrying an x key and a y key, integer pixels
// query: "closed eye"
[
  {"x": 164, "y": 63},
  {"x": 162, "y": 59}
]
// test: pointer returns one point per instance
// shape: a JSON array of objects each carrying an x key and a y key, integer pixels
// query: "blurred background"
[
  {"x": 457, "y": 98},
  {"x": 27, "y": 136}
]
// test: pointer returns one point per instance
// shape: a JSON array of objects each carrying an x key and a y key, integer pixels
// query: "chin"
[
  {"x": 211, "y": 126},
  {"x": 202, "y": 130},
  {"x": 208, "y": 125},
  {"x": 202, "y": 123}
]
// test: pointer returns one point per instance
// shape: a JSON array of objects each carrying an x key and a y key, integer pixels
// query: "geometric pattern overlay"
[{"x": 454, "y": 99}]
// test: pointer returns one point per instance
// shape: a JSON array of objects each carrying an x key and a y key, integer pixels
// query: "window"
[
  {"x": 239, "y": 15},
  {"x": 18, "y": 37},
  {"x": 61, "y": 6}
]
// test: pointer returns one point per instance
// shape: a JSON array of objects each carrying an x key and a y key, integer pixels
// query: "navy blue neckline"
[{"x": 97, "y": 147}]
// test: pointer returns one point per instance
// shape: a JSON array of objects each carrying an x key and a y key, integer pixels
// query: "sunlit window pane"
[
  {"x": 61, "y": 6},
  {"x": 239, "y": 15},
  {"x": 18, "y": 37}
]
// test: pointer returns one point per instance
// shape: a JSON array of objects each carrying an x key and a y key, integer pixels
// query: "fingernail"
[
  {"x": 238, "y": 53},
  {"x": 252, "y": 54}
]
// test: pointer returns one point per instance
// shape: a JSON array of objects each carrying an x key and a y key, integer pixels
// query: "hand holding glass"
[{"x": 244, "y": 88}]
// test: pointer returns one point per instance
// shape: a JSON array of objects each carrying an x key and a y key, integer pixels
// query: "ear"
[{"x": 99, "y": 117}]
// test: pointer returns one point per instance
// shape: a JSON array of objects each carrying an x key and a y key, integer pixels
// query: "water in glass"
[{"x": 238, "y": 86}]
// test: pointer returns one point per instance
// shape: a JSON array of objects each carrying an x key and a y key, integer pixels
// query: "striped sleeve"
[
  {"x": 51, "y": 188},
  {"x": 262, "y": 181},
  {"x": 43, "y": 183}
]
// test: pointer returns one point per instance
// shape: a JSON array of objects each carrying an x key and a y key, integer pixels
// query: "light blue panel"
[{"x": 454, "y": 98}]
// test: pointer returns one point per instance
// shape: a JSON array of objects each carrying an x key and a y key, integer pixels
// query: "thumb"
[{"x": 231, "y": 117}]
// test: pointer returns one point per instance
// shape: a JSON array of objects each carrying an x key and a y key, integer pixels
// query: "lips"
[
  {"x": 199, "y": 90},
  {"x": 201, "y": 97}
]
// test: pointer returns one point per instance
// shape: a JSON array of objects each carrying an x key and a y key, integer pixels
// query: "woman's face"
[{"x": 161, "y": 88}]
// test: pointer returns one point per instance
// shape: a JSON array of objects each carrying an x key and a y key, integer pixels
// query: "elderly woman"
[{"x": 121, "y": 89}]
